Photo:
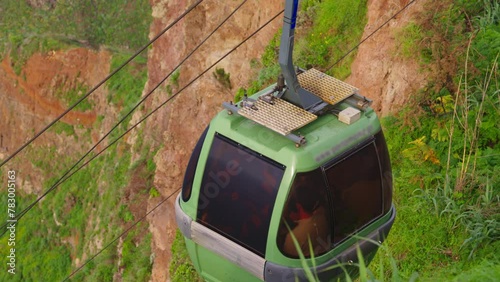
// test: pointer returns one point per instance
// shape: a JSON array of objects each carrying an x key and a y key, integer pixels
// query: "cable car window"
[
  {"x": 238, "y": 192},
  {"x": 187, "y": 184},
  {"x": 306, "y": 215},
  {"x": 355, "y": 187}
]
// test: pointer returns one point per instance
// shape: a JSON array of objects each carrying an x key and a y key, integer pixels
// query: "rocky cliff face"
[
  {"x": 178, "y": 125},
  {"x": 378, "y": 71},
  {"x": 30, "y": 99}
]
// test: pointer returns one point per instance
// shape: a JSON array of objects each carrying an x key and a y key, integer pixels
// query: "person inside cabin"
[{"x": 306, "y": 216}]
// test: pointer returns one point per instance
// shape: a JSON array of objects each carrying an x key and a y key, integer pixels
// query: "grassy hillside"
[
  {"x": 32, "y": 26},
  {"x": 445, "y": 149},
  {"x": 444, "y": 145}
]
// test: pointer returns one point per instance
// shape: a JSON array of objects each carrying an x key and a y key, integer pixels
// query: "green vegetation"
[
  {"x": 42, "y": 159},
  {"x": 337, "y": 26},
  {"x": 174, "y": 78},
  {"x": 56, "y": 231},
  {"x": 72, "y": 95},
  {"x": 75, "y": 219},
  {"x": 326, "y": 30},
  {"x": 223, "y": 77},
  {"x": 60, "y": 127},
  {"x": 173, "y": 84},
  {"x": 27, "y": 28},
  {"x": 240, "y": 94},
  {"x": 153, "y": 193},
  {"x": 408, "y": 39},
  {"x": 136, "y": 255},
  {"x": 181, "y": 268},
  {"x": 445, "y": 151},
  {"x": 82, "y": 215}
]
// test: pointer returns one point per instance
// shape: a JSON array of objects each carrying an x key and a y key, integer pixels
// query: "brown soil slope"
[{"x": 378, "y": 71}]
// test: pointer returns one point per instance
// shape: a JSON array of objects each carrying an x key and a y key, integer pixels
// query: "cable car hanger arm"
[
  {"x": 298, "y": 98},
  {"x": 294, "y": 93}
]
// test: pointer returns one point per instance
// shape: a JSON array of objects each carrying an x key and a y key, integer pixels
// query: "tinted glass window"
[
  {"x": 356, "y": 190},
  {"x": 238, "y": 192},
  {"x": 187, "y": 185},
  {"x": 306, "y": 215}
]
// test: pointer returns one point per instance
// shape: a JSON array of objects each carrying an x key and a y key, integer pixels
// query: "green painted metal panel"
[{"x": 215, "y": 268}]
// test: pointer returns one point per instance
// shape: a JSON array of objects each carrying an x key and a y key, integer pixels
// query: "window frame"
[
  {"x": 284, "y": 227},
  {"x": 190, "y": 172},
  {"x": 255, "y": 248},
  {"x": 371, "y": 141},
  {"x": 377, "y": 140}
]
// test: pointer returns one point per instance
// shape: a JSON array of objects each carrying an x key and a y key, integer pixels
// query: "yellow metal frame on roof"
[
  {"x": 281, "y": 116},
  {"x": 284, "y": 117},
  {"x": 329, "y": 89}
]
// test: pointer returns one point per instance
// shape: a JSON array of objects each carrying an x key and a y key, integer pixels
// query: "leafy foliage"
[
  {"x": 337, "y": 27},
  {"x": 325, "y": 32},
  {"x": 181, "y": 268},
  {"x": 457, "y": 195},
  {"x": 223, "y": 77},
  {"x": 136, "y": 259}
]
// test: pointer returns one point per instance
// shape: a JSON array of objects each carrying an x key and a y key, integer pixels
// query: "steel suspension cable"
[
  {"x": 144, "y": 118},
  {"x": 68, "y": 172},
  {"x": 133, "y": 225},
  {"x": 368, "y": 37},
  {"x": 100, "y": 83}
]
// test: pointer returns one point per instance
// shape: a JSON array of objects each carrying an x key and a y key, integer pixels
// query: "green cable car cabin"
[{"x": 301, "y": 167}]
